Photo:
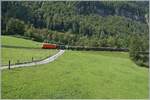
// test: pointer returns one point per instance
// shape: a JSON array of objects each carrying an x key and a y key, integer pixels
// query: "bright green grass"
[
  {"x": 13, "y": 41},
  {"x": 78, "y": 75},
  {"x": 24, "y": 55}
]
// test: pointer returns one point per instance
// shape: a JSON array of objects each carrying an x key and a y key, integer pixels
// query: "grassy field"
[
  {"x": 24, "y": 55},
  {"x": 13, "y": 41},
  {"x": 21, "y": 54},
  {"x": 78, "y": 74}
]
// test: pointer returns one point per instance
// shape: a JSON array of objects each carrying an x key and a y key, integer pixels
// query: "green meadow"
[
  {"x": 22, "y": 54},
  {"x": 93, "y": 34},
  {"x": 14, "y": 41},
  {"x": 78, "y": 74}
]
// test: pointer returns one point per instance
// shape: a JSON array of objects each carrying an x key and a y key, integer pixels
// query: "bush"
[
  {"x": 15, "y": 26},
  {"x": 139, "y": 47}
]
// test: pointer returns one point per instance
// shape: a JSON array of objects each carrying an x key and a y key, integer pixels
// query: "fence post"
[
  {"x": 32, "y": 59},
  {"x": 9, "y": 65}
]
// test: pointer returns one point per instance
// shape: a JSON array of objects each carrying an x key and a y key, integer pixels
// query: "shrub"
[
  {"x": 139, "y": 47},
  {"x": 15, "y": 26}
]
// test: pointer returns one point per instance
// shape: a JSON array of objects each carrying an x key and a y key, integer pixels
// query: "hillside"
[
  {"x": 98, "y": 23},
  {"x": 20, "y": 42},
  {"x": 83, "y": 32},
  {"x": 117, "y": 24},
  {"x": 22, "y": 50},
  {"x": 131, "y": 9}
]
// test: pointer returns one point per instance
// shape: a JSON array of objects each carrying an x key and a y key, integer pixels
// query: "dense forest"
[{"x": 119, "y": 24}]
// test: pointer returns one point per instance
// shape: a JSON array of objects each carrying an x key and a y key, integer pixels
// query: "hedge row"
[{"x": 92, "y": 48}]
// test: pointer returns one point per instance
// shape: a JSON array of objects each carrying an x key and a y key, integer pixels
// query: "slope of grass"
[
  {"x": 78, "y": 74},
  {"x": 24, "y": 55},
  {"x": 13, "y": 41}
]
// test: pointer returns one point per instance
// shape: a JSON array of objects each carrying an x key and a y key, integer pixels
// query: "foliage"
[
  {"x": 139, "y": 49},
  {"x": 15, "y": 26},
  {"x": 79, "y": 23},
  {"x": 99, "y": 21}
]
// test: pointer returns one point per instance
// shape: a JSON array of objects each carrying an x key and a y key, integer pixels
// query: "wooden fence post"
[
  {"x": 32, "y": 59},
  {"x": 9, "y": 65}
]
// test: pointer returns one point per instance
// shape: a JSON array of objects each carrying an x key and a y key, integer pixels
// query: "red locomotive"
[{"x": 49, "y": 46}]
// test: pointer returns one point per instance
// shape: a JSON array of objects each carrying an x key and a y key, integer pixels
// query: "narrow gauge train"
[
  {"x": 52, "y": 46},
  {"x": 56, "y": 46},
  {"x": 49, "y": 46}
]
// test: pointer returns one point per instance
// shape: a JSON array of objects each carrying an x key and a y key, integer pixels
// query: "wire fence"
[
  {"x": 17, "y": 62},
  {"x": 35, "y": 62}
]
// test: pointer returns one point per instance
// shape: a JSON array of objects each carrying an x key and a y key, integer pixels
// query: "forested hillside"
[{"x": 83, "y": 23}]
